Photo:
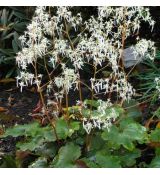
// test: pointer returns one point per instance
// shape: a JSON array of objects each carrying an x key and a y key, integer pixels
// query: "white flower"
[
  {"x": 67, "y": 80},
  {"x": 87, "y": 126},
  {"x": 25, "y": 77},
  {"x": 21, "y": 84},
  {"x": 145, "y": 49},
  {"x": 37, "y": 82},
  {"x": 104, "y": 118}
]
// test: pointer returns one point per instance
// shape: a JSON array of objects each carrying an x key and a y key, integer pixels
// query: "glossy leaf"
[
  {"x": 31, "y": 144},
  {"x": 126, "y": 134},
  {"x": 155, "y": 135},
  {"x": 67, "y": 156},
  {"x": 41, "y": 162},
  {"x": 107, "y": 161},
  {"x": 20, "y": 15},
  {"x": 73, "y": 126},
  {"x": 48, "y": 149},
  {"x": 128, "y": 159},
  {"x": 155, "y": 162},
  {"x": 20, "y": 27},
  {"x": 89, "y": 163},
  {"x": 62, "y": 128},
  {"x": 133, "y": 109}
]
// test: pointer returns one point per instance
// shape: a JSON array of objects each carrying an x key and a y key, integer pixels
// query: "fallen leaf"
[
  {"x": 12, "y": 89},
  {"x": 1, "y": 131},
  {"x": 7, "y": 80},
  {"x": 38, "y": 107},
  {"x": 21, "y": 156},
  {"x": 149, "y": 121},
  {"x": 10, "y": 100},
  {"x": 158, "y": 125},
  {"x": 81, "y": 164},
  {"x": 2, "y": 109},
  {"x": 154, "y": 144}
]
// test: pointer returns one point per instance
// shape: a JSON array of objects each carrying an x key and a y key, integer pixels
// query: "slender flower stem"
[
  {"x": 66, "y": 97},
  {"x": 72, "y": 46}
]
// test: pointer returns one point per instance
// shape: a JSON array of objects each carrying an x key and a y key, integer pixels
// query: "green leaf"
[
  {"x": 79, "y": 140},
  {"x": 73, "y": 126},
  {"x": 62, "y": 128},
  {"x": 20, "y": 15},
  {"x": 16, "y": 39},
  {"x": 89, "y": 163},
  {"x": 133, "y": 110},
  {"x": 65, "y": 130},
  {"x": 8, "y": 60},
  {"x": 41, "y": 162},
  {"x": 155, "y": 162},
  {"x": 155, "y": 135},
  {"x": 31, "y": 130},
  {"x": 126, "y": 134},
  {"x": 4, "y": 17},
  {"x": 128, "y": 159},
  {"x": 157, "y": 151},
  {"x": 20, "y": 27},
  {"x": 86, "y": 112},
  {"x": 106, "y": 73},
  {"x": 127, "y": 143},
  {"x": 35, "y": 135},
  {"x": 8, "y": 52},
  {"x": 10, "y": 72},
  {"x": 47, "y": 150},
  {"x": 8, "y": 36},
  {"x": 8, "y": 162},
  {"x": 67, "y": 156},
  {"x": 112, "y": 137},
  {"x": 107, "y": 161},
  {"x": 10, "y": 15},
  {"x": 48, "y": 134},
  {"x": 93, "y": 103},
  {"x": 15, "y": 46},
  {"x": 157, "y": 113},
  {"x": 135, "y": 132},
  {"x": 97, "y": 142},
  {"x": 31, "y": 144},
  {"x": 18, "y": 130},
  {"x": 118, "y": 109}
]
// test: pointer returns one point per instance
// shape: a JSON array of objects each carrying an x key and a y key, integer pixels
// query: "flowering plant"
[{"x": 98, "y": 42}]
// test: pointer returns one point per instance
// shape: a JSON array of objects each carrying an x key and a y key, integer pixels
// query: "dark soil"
[{"x": 18, "y": 106}]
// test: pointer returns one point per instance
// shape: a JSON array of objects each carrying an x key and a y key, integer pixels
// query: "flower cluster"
[
  {"x": 67, "y": 80},
  {"x": 121, "y": 86},
  {"x": 101, "y": 118},
  {"x": 98, "y": 42},
  {"x": 144, "y": 49},
  {"x": 26, "y": 78}
]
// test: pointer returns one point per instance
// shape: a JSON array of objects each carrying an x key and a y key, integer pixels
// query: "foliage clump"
[{"x": 99, "y": 132}]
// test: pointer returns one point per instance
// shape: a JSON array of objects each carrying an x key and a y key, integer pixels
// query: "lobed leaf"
[{"x": 67, "y": 156}]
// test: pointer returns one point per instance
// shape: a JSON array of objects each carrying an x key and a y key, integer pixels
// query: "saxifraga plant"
[{"x": 98, "y": 42}]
